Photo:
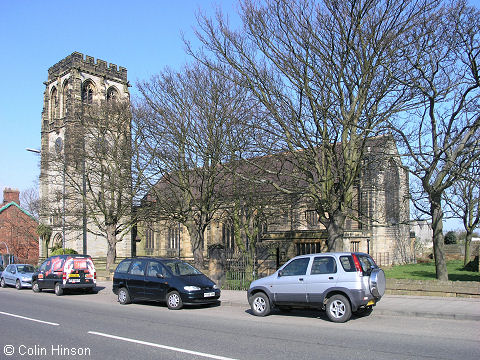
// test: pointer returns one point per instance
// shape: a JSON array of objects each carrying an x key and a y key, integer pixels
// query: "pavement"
[{"x": 453, "y": 308}]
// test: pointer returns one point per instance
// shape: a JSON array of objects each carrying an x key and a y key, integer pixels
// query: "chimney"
[{"x": 10, "y": 195}]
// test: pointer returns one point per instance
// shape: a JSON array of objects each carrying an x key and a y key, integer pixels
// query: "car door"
[
  {"x": 41, "y": 277},
  {"x": 289, "y": 286},
  {"x": 323, "y": 276},
  {"x": 9, "y": 274},
  {"x": 156, "y": 281},
  {"x": 135, "y": 279},
  {"x": 54, "y": 272}
]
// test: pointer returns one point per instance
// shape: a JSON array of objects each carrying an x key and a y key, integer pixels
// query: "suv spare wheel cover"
[{"x": 377, "y": 282}]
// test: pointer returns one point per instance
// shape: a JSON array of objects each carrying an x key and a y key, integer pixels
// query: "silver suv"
[{"x": 339, "y": 283}]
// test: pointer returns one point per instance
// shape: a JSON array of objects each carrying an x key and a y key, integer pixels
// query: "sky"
[{"x": 143, "y": 36}]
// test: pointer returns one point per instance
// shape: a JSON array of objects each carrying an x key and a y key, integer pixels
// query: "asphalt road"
[{"x": 44, "y": 326}]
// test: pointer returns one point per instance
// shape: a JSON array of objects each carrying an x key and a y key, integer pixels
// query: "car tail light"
[
  {"x": 95, "y": 275},
  {"x": 358, "y": 266},
  {"x": 64, "y": 277}
]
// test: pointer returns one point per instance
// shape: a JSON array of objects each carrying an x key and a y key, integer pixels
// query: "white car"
[
  {"x": 339, "y": 283},
  {"x": 18, "y": 275}
]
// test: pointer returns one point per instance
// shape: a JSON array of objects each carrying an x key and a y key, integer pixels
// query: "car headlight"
[
  {"x": 215, "y": 286},
  {"x": 191, "y": 288}
]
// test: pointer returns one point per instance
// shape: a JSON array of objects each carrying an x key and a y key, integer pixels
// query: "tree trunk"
[
  {"x": 468, "y": 241},
  {"x": 438, "y": 241},
  {"x": 335, "y": 230},
  {"x": 196, "y": 241},
  {"x": 112, "y": 247}
]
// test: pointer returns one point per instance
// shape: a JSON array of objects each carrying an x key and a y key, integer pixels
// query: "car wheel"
[
  {"x": 35, "y": 287},
  {"x": 2, "y": 283},
  {"x": 338, "y": 308},
  {"x": 123, "y": 296},
  {"x": 58, "y": 289},
  {"x": 174, "y": 301},
  {"x": 18, "y": 285},
  {"x": 260, "y": 304}
]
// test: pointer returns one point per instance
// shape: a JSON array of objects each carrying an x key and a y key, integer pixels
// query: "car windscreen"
[
  {"x": 25, "y": 268},
  {"x": 179, "y": 268}
]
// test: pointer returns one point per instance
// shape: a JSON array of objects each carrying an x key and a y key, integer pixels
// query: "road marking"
[
  {"x": 27, "y": 318},
  {"x": 161, "y": 346}
]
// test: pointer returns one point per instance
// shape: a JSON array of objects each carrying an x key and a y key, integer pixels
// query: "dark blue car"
[{"x": 165, "y": 280}]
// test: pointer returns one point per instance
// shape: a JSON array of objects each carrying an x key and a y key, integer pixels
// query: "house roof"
[{"x": 13, "y": 203}]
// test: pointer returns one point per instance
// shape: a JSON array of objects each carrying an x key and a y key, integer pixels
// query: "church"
[{"x": 380, "y": 226}]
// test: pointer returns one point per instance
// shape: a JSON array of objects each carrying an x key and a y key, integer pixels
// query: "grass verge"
[{"x": 426, "y": 271}]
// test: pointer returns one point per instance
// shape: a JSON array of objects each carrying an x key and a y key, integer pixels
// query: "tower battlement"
[{"x": 87, "y": 64}]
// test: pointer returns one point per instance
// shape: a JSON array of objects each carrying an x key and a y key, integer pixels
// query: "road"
[{"x": 95, "y": 326}]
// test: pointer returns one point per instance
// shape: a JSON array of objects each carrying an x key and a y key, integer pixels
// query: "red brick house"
[{"x": 18, "y": 229}]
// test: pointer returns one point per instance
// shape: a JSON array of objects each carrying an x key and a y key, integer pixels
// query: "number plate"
[
  {"x": 74, "y": 280},
  {"x": 210, "y": 294}
]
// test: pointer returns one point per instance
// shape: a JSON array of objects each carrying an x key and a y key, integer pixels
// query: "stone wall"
[{"x": 433, "y": 288}]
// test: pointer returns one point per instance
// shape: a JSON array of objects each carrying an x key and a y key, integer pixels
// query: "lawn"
[{"x": 426, "y": 271}]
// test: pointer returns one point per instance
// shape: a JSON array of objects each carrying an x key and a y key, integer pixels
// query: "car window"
[
  {"x": 154, "y": 268},
  {"x": 123, "y": 266},
  {"x": 137, "y": 268},
  {"x": 367, "y": 262},
  {"x": 57, "y": 264},
  {"x": 347, "y": 263},
  {"x": 296, "y": 267},
  {"x": 179, "y": 268},
  {"x": 324, "y": 265},
  {"x": 26, "y": 268},
  {"x": 9, "y": 268}
]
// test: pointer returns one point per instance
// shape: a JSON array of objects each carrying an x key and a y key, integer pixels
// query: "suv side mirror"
[
  {"x": 280, "y": 273},
  {"x": 161, "y": 276}
]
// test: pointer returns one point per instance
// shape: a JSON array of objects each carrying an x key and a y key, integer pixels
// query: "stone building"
[
  {"x": 76, "y": 86},
  {"x": 18, "y": 229},
  {"x": 380, "y": 225}
]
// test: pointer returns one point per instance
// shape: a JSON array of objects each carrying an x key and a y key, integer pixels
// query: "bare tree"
[
  {"x": 463, "y": 199},
  {"x": 31, "y": 202},
  {"x": 100, "y": 181},
  {"x": 193, "y": 128},
  {"x": 324, "y": 72},
  {"x": 442, "y": 134}
]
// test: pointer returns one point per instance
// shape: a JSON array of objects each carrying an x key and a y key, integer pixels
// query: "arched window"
[
  {"x": 87, "y": 92},
  {"x": 392, "y": 190},
  {"x": 112, "y": 94},
  {"x": 228, "y": 236},
  {"x": 65, "y": 98},
  {"x": 53, "y": 104}
]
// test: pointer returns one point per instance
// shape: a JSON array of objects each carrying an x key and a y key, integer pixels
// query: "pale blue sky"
[{"x": 142, "y": 35}]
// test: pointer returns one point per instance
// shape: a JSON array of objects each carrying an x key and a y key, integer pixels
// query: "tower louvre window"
[
  {"x": 87, "y": 92},
  {"x": 112, "y": 94},
  {"x": 54, "y": 103}
]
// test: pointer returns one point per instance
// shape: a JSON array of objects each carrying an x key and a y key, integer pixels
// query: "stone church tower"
[{"x": 73, "y": 84}]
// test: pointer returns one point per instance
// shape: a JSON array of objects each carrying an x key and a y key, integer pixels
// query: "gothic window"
[
  {"x": 173, "y": 237},
  {"x": 66, "y": 100},
  {"x": 309, "y": 248},
  {"x": 112, "y": 94},
  {"x": 149, "y": 238},
  {"x": 312, "y": 217},
  {"x": 392, "y": 189},
  {"x": 87, "y": 92},
  {"x": 355, "y": 246},
  {"x": 228, "y": 236},
  {"x": 54, "y": 103}
]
